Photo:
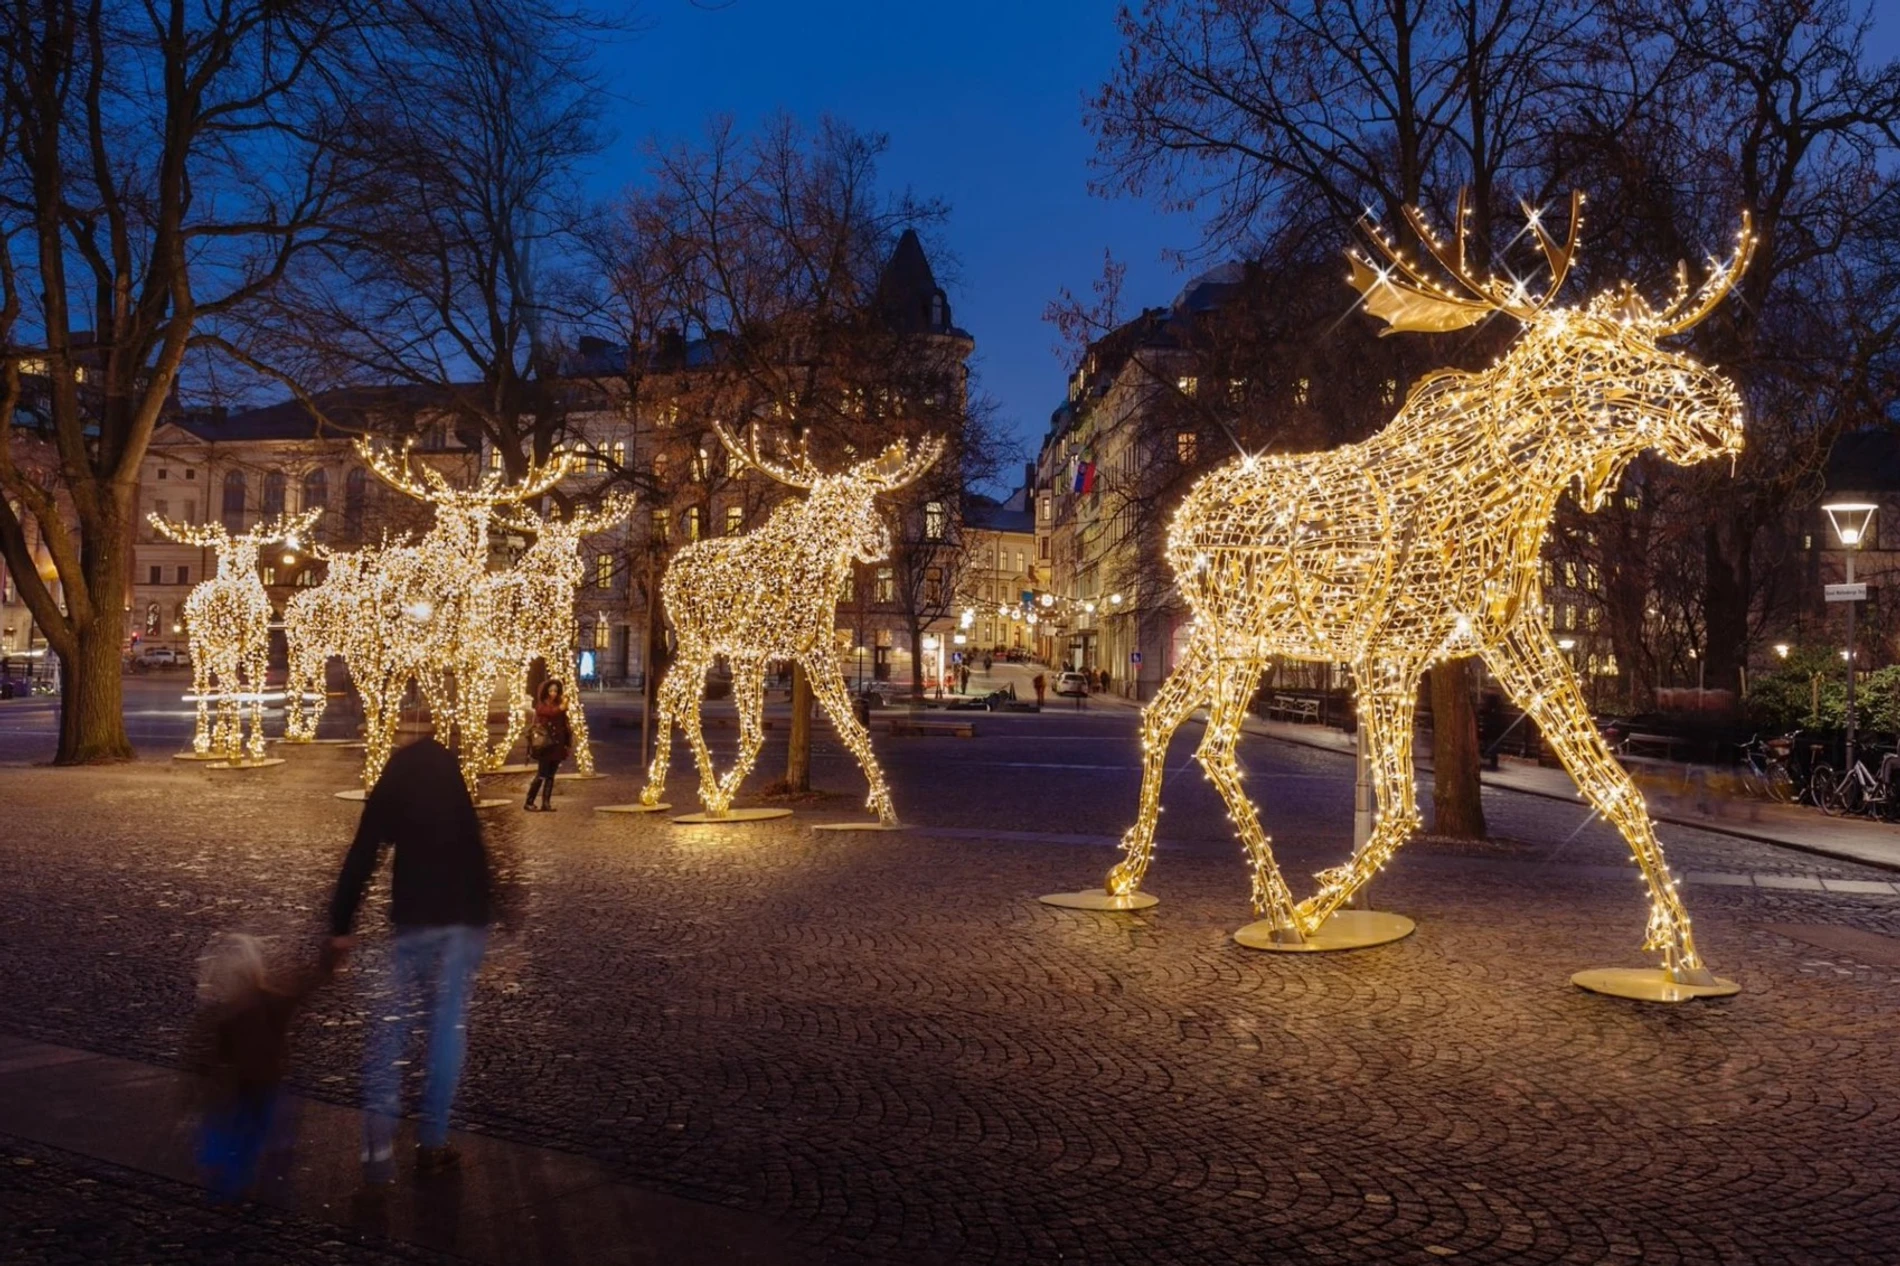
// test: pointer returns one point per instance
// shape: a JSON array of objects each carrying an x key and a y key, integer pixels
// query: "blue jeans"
[
  {"x": 231, "y": 1138},
  {"x": 434, "y": 974}
]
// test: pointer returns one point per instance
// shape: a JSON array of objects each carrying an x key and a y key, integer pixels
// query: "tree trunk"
[
  {"x": 1725, "y": 605},
  {"x": 1457, "y": 809},
  {"x": 91, "y": 702},
  {"x": 798, "y": 744},
  {"x": 916, "y": 658}
]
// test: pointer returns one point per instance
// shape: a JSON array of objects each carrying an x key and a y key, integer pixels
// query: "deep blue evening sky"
[{"x": 982, "y": 101}]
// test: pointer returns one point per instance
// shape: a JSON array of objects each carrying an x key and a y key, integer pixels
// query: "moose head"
[
  {"x": 845, "y": 500},
  {"x": 462, "y": 514},
  {"x": 237, "y": 553},
  {"x": 1585, "y": 388}
]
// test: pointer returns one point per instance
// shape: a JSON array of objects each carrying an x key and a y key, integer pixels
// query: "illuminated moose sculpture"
[
  {"x": 533, "y": 611},
  {"x": 1423, "y": 543},
  {"x": 227, "y": 619},
  {"x": 771, "y": 594},
  {"x": 317, "y": 625},
  {"x": 423, "y": 613}
]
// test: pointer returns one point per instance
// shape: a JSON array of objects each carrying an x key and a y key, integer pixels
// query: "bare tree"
[{"x": 162, "y": 166}]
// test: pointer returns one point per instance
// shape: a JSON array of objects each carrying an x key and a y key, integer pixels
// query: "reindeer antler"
[
  {"x": 1415, "y": 300},
  {"x": 394, "y": 471},
  {"x": 1722, "y": 277},
  {"x": 899, "y": 464},
  {"x": 286, "y": 526},
  {"x": 801, "y": 475},
  {"x": 537, "y": 481}
]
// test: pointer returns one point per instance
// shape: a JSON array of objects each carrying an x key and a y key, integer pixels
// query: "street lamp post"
[{"x": 1851, "y": 521}]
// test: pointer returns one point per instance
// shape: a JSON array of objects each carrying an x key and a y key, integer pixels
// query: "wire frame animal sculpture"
[
  {"x": 770, "y": 594},
  {"x": 533, "y": 611},
  {"x": 423, "y": 613},
  {"x": 317, "y": 629},
  {"x": 227, "y": 624},
  {"x": 1424, "y": 542}
]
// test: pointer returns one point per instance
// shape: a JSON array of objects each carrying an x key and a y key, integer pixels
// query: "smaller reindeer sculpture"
[
  {"x": 227, "y": 619},
  {"x": 771, "y": 594},
  {"x": 1423, "y": 543},
  {"x": 533, "y": 609},
  {"x": 317, "y": 626}
]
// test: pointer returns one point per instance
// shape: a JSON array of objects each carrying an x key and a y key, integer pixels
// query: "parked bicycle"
[
  {"x": 1859, "y": 790},
  {"x": 1764, "y": 772}
]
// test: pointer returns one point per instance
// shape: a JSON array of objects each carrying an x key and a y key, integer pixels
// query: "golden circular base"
[
  {"x": 295, "y": 740},
  {"x": 532, "y": 769},
  {"x": 1649, "y": 984},
  {"x": 261, "y": 762},
  {"x": 1344, "y": 930},
  {"x": 731, "y": 815},
  {"x": 204, "y": 756},
  {"x": 631, "y": 808},
  {"x": 858, "y": 826},
  {"x": 1100, "y": 899},
  {"x": 354, "y": 793},
  {"x": 493, "y": 804},
  {"x": 327, "y": 742}
]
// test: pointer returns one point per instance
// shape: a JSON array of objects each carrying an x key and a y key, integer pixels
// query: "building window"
[
  {"x": 619, "y": 451},
  {"x": 1570, "y": 616},
  {"x": 270, "y": 575},
  {"x": 1022, "y": 562},
  {"x": 1187, "y": 385},
  {"x": 163, "y": 510},
  {"x": 316, "y": 490},
  {"x": 184, "y": 575},
  {"x": 234, "y": 501},
  {"x": 191, "y": 511},
  {"x": 306, "y": 577},
  {"x": 153, "y": 574},
  {"x": 1043, "y": 506},
  {"x": 355, "y": 493},
  {"x": 603, "y": 571},
  {"x": 662, "y": 526},
  {"x": 692, "y": 523},
  {"x": 151, "y": 619},
  {"x": 163, "y": 473},
  {"x": 190, "y": 473},
  {"x": 702, "y": 466},
  {"x": 1042, "y": 548},
  {"x": 1299, "y": 391},
  {"x": 600, "y": 635},
  {"x": 935, "y": 521},
  {"x": 886, "y": 585},
  {"x": 735, "y": 520},
  {"x": 274, "y": 484},
  {"x": 1187, "y": 447},
  {"x": 494, "y": 459}
]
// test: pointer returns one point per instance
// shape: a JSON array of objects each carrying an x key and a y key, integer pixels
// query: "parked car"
[
  {"x": 158, "y": 657},
  {"x": 1072, "y": 685}
]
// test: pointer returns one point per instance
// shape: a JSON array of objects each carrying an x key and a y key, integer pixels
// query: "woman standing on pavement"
[{"x": 549, "y": 740}]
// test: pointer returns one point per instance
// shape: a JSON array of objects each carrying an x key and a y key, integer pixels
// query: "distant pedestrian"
[
  {"x": 550, "y": 739},
  {"x": 986, "y": 663},
  {"x": 963, "y": 679},
  {"x": 240, "y": 1046},
  {"x": 1041, "y": 684},
  {"x": 441, "y": 903}
]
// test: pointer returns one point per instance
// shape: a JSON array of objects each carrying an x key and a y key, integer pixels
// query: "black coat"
[{"x": 440, "y": 876}]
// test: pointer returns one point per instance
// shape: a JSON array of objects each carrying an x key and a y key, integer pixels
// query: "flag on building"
[{"x": 1085, "y": 477}]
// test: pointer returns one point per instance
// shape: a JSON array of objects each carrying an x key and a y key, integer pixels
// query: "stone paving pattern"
[{"x": 882, "y": 1042}]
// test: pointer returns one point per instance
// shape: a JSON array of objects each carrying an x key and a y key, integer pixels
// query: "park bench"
[
  {"x": 902, "y": 726},
  {"x": 1294, "y": 708}
]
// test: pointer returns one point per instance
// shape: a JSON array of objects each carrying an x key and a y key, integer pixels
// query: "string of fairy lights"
[
  {"x": 227, "y": 627},
  {"x": 770, "y": 594},
  {"x": 1423, "y": 543}
]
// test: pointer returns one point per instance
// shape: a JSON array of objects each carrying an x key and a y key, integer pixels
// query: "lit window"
[
  {"x": 1550, "y": 577},
  {"x": 1299, "y": 391},
  {"x": 270, "y": 575},
  {"x": 692, "y": 523},
  {"x": 1570, "y": 574},
  {"x": 735, "y": 520},
  {"x": 1807, "y": 540},
  {"x": 662, "y": 525},
  {"x": 619, "y": 452},
  {"x": 1187, "y": 446},
  {"x": 1592, "y": 616},
  {"x": 600, "y": 635},
  {"x": 1187, "y": 384},
  {"x": 494, "y": 459},
  {"x": 1570, "y": 616},
  {"x": 886, "y": 585},
  {"x": 603, "y": 571},
  {"x": 935, "y": 521}
]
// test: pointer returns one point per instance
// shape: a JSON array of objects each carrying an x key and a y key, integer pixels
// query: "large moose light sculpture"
[
  {"x": 1423, "y": 543},
  {"x": 771, "y": 594},
  {"x": 227, "y": 622}
]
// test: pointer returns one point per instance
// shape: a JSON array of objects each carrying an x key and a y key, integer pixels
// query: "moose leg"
[
  {"x": 1186, "y": 687},
  {"x": 577, "y": 717},
  {"x": 1388, "y": 695},
  {"x": 256, "y": 670},
  {"x": 748, "y": 698},
  {"x": 201, "y": 687},
  {"x": 686, "y": 682},
  {"x": 826, "y": 676},
  {"x": 519, "y": 710},
  {"x": 674, "y": 697},
  {"x": 1539, "y": 679},
  {"x": 1234, "y": 681}
]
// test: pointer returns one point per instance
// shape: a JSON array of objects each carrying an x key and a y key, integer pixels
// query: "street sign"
[
  {"x": 1134, "y": 657},
  {"x": 1846, "y": 593}
]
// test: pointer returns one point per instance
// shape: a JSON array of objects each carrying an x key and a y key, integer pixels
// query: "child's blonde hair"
[{"x": 231, "y": 967}]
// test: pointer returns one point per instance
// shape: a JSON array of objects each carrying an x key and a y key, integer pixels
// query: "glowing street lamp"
[{"x": 1851, "y": 521}]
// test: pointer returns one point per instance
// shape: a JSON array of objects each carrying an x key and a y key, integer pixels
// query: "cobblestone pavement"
[{"x": 882, "y": 1042}]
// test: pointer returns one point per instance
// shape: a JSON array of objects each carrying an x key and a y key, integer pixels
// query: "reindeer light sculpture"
[
  {"x": 317, "y": 627},
  {"x": 770, "y": 594},
  {"x": 423, "y": 612},
  {"x": 227, "y": 622},
  {"x": 533, "y": 610},
  {"x": 1423, "y": 543}
]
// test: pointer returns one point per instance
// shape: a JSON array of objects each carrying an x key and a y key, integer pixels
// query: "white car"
[
  {"x": 160, "y": 657},
  {"x": 1072, "y": 684}
]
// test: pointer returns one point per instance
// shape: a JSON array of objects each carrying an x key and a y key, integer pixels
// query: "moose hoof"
[{"x": 1651, "y": 984}]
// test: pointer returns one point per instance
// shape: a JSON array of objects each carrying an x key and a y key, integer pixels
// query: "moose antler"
[
  {"x": 203, "y": 535},
  {"x": 1415, "y": 300},
  {"x": 394, "y": 471},
  {"x": 899, "y": 464},
  {"x": 1674, "y": 318},
  {"x": 800, "y": 475},
  {"x": 286, "y": 527}
]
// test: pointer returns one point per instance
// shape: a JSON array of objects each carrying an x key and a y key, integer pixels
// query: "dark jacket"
[
  {"x": 551, "y": 718},
  {"x": 440, "y": 875}
]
